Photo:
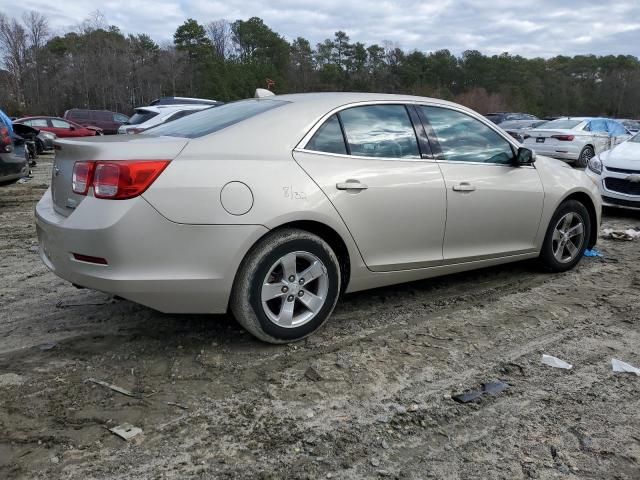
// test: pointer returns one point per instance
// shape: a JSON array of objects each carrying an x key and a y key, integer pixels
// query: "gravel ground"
[{"x": 367, "y": 397}]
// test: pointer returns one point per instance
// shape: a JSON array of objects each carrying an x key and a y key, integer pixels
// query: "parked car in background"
[
  {"x": 275, "y": 206},
  {"x": 632, "y": 125},
  {"x": 45, "y": 141},
  {"x": 183, "y": 101},
  {"x": 14, "y": 158},
  {"x": 616, "y": 172},
  {"x": 518, "y": 128},
  {"x": 145, "y": 118},
  {"x": 499, "y": 117},
  {"x": 60, "y": 127},
  {"x": 107, "y": 121},
  {"x": 575, "y": 139}
]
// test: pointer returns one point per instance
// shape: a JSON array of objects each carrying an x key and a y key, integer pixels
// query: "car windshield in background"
[
  {"x": 213, "y": 119},
  {"x": 141, "y": 116},
  {"x": 561, "y": 124},
  {"x": 635, "y": 138}
]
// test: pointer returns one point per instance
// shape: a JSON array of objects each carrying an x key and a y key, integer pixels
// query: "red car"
[{"x": 61, "y": 127}]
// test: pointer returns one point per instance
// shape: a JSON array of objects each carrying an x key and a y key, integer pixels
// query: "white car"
[
  {"x": 146, "y": 117},
  {"x": 575, "y": 139},
  {"x": 616, "y": 172}
]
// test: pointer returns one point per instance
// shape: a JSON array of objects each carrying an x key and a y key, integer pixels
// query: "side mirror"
[
  {"x": 525, "y": 156},
  {"x": 72, "y": 127}
]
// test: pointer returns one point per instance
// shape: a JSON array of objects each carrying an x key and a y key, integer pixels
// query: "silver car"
[{"x": 272, "y": 207}]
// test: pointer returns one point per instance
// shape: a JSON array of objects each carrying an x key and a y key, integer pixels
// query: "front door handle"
[
  {"x": 351, "y": 185},
  {"x": 464, "y": 187}
]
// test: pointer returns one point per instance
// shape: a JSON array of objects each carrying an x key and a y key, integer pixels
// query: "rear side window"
[
  {"x": 60, "y": 123},
  {"x": 328, "y": 138},
  {"x": 141, "y": 116},
  {"x": 79, "y": 114},
  {"x": 380, "y": 131},
  {"x": 38, "y": 122},
  {"x": 214, "y": 119}
]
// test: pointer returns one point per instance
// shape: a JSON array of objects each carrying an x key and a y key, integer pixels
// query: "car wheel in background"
[
  {"x": 586, "y": 154},
  {"x": 567, "y": 237},
  {"x": 286, "y": 287}
]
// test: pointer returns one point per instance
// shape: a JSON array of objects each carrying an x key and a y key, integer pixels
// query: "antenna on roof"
[{"x": 263, "y": 92}]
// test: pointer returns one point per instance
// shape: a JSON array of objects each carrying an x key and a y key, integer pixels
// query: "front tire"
[
  {"x": 586, "y": 154},
  {"x": 567, "y": 237},
  {"x": 286, "y": 287}
]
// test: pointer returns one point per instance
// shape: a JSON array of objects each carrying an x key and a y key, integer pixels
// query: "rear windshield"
[
  {"x": 561, "y": 124},
  {"x": 213, "y": 119},
  {"x": 141, "y": 116}
]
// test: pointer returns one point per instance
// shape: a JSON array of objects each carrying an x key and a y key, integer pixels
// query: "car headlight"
[
  {"x": 595, "y": 165},
  {"x": 49, "y": 135}
]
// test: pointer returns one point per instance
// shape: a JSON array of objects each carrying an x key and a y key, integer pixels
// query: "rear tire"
[
  {"x": 567, "y": 237},
  {"x": 286, "y": 287},
  {"x": 586, "y": 154}
]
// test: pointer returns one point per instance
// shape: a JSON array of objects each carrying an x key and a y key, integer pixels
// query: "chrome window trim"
[{"x": 300, "y": 147}]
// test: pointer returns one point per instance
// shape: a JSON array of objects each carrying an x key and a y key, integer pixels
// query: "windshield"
[
  {"x": 635, "y": 138},
  {"x": 141, "y": 116},
  {"x": 213, "y": 119},
  {"x": 561, "y": 124}
]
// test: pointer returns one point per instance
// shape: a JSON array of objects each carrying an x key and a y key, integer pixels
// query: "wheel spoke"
[
  {"x": 557, "y": 235},
  {"x": 312, "y": 272},
  {"x": 576, "y": 230},
  {"x": 573, "y": 250},
  {"x": 272, "y": 290},
  {"x": 289, "y": 265},
  {"x": 566, "y": 224},
  {"x": 285, "y": 317},
  {"x": 311, "y": 301},
  {"x": 559, "y": 251}
]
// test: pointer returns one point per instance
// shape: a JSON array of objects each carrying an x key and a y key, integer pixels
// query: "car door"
[
  {"x": 493, "y": 207},
  {"x": 369, "y": 163},
  {"x": 62, "y": 128}
]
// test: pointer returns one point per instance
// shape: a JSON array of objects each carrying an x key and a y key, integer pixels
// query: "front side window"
[
  {"x": 380, "y": 131},
  {"x": 59, "y": 123},
  {"x": 464, "y": 139},
  {"x": 328, "y": 138}
]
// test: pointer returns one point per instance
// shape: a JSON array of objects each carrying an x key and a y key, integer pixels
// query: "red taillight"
[
  {"x": 563, "y": 138},
  {"x": 5, "y": 138},
  {"x": 82, "y": 177},
  {"x": 116, "y": 180}
]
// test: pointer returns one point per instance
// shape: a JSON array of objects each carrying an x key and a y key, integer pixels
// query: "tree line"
[{"x": 95, "y": 65}]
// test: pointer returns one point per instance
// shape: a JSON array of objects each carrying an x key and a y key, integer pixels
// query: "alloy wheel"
[
  {"x": 568, "y": 237},
  {"x": 295, "y": 289}
]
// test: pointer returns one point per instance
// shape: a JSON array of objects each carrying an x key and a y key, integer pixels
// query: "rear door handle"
[
  {"x": 464, "y": 187},
  {"x": 351, "y": 185}
]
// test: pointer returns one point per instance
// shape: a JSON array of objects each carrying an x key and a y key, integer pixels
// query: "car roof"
[{"x": 332, "y": 100}]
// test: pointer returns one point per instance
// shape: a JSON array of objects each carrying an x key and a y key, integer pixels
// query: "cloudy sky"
[{"x": 526, "y": 27}]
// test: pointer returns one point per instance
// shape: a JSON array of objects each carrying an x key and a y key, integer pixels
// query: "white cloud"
[{"x": 527, "y": 27}]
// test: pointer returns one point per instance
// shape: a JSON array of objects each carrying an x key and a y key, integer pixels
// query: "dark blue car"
[{"x": 14, "y": 163}]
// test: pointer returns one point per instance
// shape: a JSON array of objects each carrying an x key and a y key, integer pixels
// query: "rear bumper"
[
  {"x": 171, "y": 267},
  {"x": 13, "y": 166},
  {"x": 568, "y": 153}
]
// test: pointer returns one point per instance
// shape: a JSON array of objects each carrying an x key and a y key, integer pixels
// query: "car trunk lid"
[{"x": 130, "y": 147}]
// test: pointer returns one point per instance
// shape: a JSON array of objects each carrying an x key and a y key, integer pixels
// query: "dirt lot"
[{"x": 368, "y": 397}]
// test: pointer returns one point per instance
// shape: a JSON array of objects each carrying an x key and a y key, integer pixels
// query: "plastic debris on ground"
[
  {"x": 490, "y": 388},
  {"x": 594, "y": 252},
  {"x": 620, "y": 366},
  {"x": 555, "y": 362},
  {"x": 110, "y": 386},
  {"x": 126, "y": 431},
  {"x": 629, "y": 234}
]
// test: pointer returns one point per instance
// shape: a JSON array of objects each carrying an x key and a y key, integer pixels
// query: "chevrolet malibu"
[{"x": 272, "y": 207}]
